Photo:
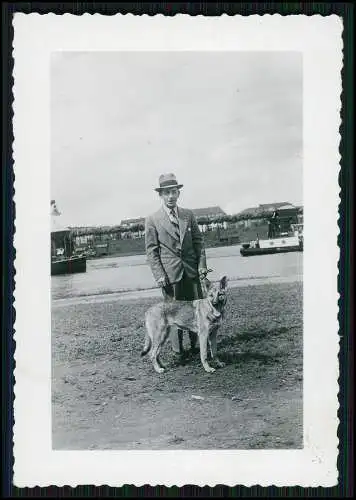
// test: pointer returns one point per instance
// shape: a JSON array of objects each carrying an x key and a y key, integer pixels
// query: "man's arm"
[
  {"x": 198, "y": 244},
  {"x": 153, "y": 252}
]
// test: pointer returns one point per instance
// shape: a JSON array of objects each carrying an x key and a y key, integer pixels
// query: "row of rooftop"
[
  {"x": 205, "y": 216},
  {"x": 217, "y": 212}
]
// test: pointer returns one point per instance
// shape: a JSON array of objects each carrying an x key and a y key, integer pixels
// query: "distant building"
[
  {"x": 132, "y": 222},
  {"x": 249, "y": 216},
  {"x": 84, "y": 239},
  {"x": 208, "y": 212},
  {"x": 205, "y": 217},
  {"x": 200, "y": 213},
  {"x": 250, "y": 213},
  {"x": 256, "y": 215},
  {"x": 208, "y": 218},
  {"x": 262, "y": 209},
  {"x": 271, "y": 207}
]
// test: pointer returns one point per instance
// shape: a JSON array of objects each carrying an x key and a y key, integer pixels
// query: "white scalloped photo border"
[{"x": 36, "y": 37}]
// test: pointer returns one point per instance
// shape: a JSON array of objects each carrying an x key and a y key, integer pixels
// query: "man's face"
[{"x": 170, "y": 196}]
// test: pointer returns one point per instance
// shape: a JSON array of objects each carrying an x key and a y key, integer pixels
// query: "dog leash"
[{"x": 202, "y": 277}]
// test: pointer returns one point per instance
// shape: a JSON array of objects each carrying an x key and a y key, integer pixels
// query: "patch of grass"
[{"x": 238, "y": 358}]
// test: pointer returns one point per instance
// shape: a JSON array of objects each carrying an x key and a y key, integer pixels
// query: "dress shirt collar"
[{"x": 168, "y": 210}]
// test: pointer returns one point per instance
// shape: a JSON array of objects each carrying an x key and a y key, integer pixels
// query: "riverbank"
[{"x": 106, "y": 397}]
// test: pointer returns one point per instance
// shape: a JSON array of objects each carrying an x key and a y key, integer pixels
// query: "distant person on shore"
[{"x": 175, "y": 253}]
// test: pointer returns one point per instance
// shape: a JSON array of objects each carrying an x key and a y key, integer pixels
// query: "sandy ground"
[{"x": 105, "y": 396}]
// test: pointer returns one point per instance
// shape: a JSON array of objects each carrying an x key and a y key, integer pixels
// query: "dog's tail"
[{"x": 147, "y": 346}]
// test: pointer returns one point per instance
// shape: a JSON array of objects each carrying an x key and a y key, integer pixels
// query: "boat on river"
[
  {"x": 63, "y": 258},
  {"x": 68, "y": 265},
  {"x": 290, "y": 239},
  {"x": 271, "y": 246}
]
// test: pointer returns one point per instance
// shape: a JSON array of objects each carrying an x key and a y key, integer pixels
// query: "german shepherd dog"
[{"x": 202, "y": 316}]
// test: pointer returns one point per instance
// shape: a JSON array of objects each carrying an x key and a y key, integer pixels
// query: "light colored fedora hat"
[{"x": 167, "y": 181}]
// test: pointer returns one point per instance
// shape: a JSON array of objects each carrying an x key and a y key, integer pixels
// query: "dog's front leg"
[
  {"x": 213, "y": 348},
  {"x": 203, "y": 342},
  {"x": 158, "y": 342}
]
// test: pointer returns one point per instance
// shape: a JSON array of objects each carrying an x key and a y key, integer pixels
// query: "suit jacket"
[{"x": 169, "y": 257}]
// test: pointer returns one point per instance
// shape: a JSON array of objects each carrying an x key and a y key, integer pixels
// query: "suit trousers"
[{"x": 185, "y": 289}]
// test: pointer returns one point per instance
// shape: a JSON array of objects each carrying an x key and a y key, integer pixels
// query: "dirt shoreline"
[{"x": 106, "y": 397}]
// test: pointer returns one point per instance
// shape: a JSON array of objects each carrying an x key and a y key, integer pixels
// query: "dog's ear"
[{"x": 223, "y": 283}]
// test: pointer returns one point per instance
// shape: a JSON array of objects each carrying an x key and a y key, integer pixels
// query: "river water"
[{"x": 131, "y": 276}]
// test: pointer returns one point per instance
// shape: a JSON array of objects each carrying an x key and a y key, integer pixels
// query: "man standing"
[{"x": 175, "y": 252}]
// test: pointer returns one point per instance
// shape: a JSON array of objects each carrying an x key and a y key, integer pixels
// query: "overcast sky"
[{"x": 229, "y": 125}]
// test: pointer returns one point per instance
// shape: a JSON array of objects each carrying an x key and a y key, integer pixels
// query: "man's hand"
[
  {"x": 162, "y": 282},
  {"x": 203, "y": 271}
]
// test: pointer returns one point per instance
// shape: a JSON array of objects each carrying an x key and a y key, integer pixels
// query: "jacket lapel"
[{"x": 164, "y": 221}]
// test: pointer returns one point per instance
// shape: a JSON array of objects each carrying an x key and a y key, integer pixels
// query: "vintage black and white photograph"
[
  {"x": 177, "y": 208},
  {"x": 181, "y": 232}
]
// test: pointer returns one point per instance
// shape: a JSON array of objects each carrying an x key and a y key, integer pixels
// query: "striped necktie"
[{"x": 175, "y": 223}]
